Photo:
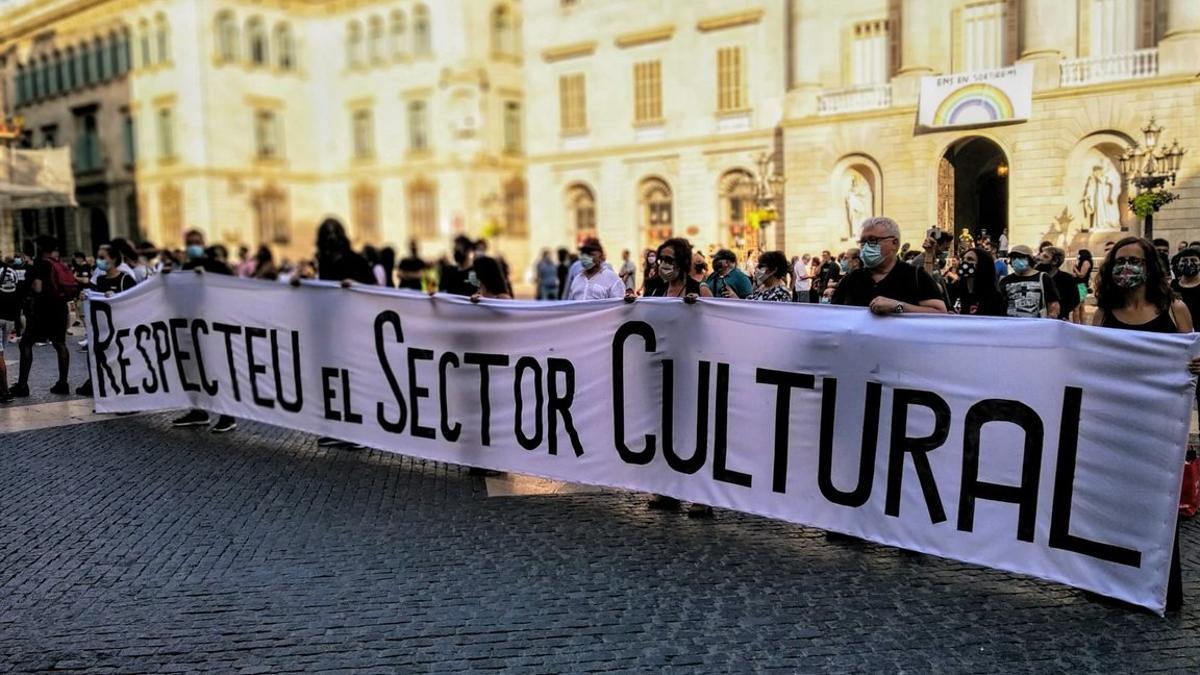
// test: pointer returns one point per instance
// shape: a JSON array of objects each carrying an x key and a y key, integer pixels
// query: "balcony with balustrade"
[
  {"x": 854, "y": 99},
  {"x": 1134, "y": 65}
]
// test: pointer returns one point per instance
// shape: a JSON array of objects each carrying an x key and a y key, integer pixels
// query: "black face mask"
[
  {"x": 1044, "y": 267},
  {"x": 1189, "y": 269},
  {"x": 966, "y": 269}
]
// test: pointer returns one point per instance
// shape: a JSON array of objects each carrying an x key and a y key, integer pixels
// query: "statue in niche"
[
  {"x": 1100, "y": 194},
  {"x": 859, "y": 203}
]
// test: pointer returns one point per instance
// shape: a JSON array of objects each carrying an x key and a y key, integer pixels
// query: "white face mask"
[{"x": 587, "y": 261}]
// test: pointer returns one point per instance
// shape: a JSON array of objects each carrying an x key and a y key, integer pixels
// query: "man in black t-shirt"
[
  {"x": 48, "y": 315},
  {"x": 885, "y": 284},
  {"x": 412, "y": 268},
  {"x": 829, "y": 272},
  {"x": 1050, "y": 262}
]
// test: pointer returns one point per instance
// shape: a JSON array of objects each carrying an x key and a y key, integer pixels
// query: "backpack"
[{"x": 63, "y": 285}]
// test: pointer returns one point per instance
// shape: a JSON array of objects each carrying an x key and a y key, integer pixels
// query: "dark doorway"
[
  {"x": 97, "y": 227},
  {"x": 978, "y": 170}
]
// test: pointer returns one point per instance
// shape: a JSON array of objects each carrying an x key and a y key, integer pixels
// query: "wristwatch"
[{"x": 898, "y": 309}]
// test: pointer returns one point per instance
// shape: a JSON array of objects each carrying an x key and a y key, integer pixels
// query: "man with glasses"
[{"x": 884, "y": 283}]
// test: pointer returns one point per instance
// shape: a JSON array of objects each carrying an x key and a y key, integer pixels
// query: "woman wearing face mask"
[
  {"x": 1083, "y": 277},
  {"x": 973, "y": 289},
  {"x": 770, "y": 278},
  {"x": 1133, "y": 293},
  {"x": 488, "y": 278},
  {"x": 673, "y": 279},
  {"x": 699, "y": 270}
]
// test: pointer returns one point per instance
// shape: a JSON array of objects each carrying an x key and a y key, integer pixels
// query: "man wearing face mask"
[
  {"x": 596, "y": 280},
  {"x": 199, "y": 261},
  {"x": 726, "y": 280},
  {"x": 1050, "y": 262},
  {"x": 885, "y": 284},
  {"x": 1028, "y": 292}
]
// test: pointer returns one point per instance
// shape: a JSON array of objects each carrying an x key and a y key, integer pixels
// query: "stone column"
[
  {"x": 1048, "y": 29},
  {"x": 924, "y": 46},
  {"x": 1179, "y": 50}
]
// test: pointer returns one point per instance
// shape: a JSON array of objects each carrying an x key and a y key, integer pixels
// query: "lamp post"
[
  {"x": 1147, "y": 171},
  {"x": 766, "y": 187}
]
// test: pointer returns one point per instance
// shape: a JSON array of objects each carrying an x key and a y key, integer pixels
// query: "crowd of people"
[{"x": 1138, "y": 285}]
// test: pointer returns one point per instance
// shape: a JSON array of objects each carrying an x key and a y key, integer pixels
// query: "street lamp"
[{"x": 1147, "y": 171}]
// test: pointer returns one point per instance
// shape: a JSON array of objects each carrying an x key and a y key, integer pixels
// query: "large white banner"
[
  {"x": 980, "y": 98},
  {"x": 1033, "y": 446}
]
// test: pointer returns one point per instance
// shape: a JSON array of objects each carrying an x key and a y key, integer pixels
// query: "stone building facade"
[{"x": 253, "y": 120}]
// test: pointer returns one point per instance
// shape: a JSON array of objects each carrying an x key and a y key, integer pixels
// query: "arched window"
[
  {"x": 271, "y": 216},
  {"x": 227, "y": 37},
  {"x": 516, "y": 220},
  {"x": 256, "y": 36},
  {"x": 656, "y": 209},
  {"x": 422, "y": 45},
  {"x": 736, "y": 189},
  {"x": 66, "y": 70},
  {"x": 285, "y": 48},
  {"x": 396, "y": 41},
  {"x": 162, "y": 36},
  {"x": 581, "y": 211},
  {"x": 114, "y": 55},
  {"x": 505, "y": 32},
  {"x": 124, "y": 58},
  {"x": 145, "y": 57},
  {"x": 422, "y": 209},
  {"x": 55, "y": 80},
  {"x": 99, "y": 65},
  {"x": 354, "y": 44},
  {"x": 375, "y": 40}
]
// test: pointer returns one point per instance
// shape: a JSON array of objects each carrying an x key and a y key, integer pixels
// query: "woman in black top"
[
  {"x": 973, "y": 289},
  {"x": 1132, "y": 293},
  {"x": 673, "y": 262},
  {"x": 112, "y": 280},
  {"x": 1083, "y": 277}
]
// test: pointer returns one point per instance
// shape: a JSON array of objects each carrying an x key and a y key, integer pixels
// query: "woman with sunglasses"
[
  {"x": 1133, "y": 293},
  {"x": 673, "y": 262}
]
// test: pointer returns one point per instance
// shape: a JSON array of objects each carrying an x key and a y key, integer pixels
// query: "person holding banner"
[
  {"x": 973, "y": 287},
  {"x": 885, "y": 284},
  {"x": 487, "y": 276},
  {"x": 771, "y": 275},
  {"x": 200, "y": 261},
  {"x": 596, "y": 279},
  {"x": 671, "y": 278},
  {"x": 1133, "y": 293}
]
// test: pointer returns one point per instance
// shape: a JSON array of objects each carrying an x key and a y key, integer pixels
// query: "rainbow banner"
[{"x": 979, "y": 99}]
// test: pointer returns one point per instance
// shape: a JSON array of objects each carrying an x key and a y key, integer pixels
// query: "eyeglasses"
[
  {"x": 1130, "y": 261},
  {"x": 666, "y": 260},
  {"x": 874, "y": 241}
]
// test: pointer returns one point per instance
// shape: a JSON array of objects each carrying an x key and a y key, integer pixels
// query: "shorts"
[
  {"x": 3, "y": 335},
  {"x": 47, "y": 323},
  {"x": 1083, "y": 292}
]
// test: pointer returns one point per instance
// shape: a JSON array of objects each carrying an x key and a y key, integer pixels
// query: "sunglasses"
[{"x": 666, "y": 260}]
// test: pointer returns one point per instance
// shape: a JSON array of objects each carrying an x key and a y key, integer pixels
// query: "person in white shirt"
[{"x": 595, "y": 280}]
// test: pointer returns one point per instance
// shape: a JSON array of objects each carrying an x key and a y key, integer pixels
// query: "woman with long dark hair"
[
  {"x": 673, "y": 263},
  {"x": 387, "y": 260},
  {"x": 336, "y": 261},
  {"x": 1083, "y": 277},
  {"x": 487, "y": 276},
  {"x": 973, "y": 289},
  {"x": 1133, "y": 293}
]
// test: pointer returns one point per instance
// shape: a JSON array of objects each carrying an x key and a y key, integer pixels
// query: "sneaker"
[
  {"x": 84, "y": 389},
  {"x": 61, "y": 388},
  {"x": 20, "y": 390},
  {"x": 195, "y": 418},
  {"x": 661, "y": 503},
  {"x": 329, "y": 442},
  {"x": 224, "y": 424}
]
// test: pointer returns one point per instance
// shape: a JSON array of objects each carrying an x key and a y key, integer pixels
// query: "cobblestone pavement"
[{"x": 128, "y": 546}]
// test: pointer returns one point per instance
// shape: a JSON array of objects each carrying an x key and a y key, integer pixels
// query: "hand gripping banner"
[{"x": 1031, "y": 446}]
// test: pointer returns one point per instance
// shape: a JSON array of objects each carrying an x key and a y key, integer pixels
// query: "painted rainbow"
[{"x": 977, "y": 103}]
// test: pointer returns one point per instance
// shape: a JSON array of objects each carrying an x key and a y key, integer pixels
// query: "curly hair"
[
  {"x": 1110, "y": 296},
  {"x": 776, "y": 263}
]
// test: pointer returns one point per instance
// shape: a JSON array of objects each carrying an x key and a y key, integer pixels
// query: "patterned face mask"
[
  {"x": 1129, "y": 275},
  {"x": 966, "y": 269}
]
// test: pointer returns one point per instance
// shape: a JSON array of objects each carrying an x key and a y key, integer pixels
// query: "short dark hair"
[
  {"x": 46, "y": 244},
  {"x": 1161, "y": 242},
  {"x": 725, "y": 254},
  {"x": 591, "y": 244},
  {"x": 775, "y": 262}
]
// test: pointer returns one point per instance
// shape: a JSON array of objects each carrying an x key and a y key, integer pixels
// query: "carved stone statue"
[
  {"x": 1100, "y": 193},
  {"x": 859, "y": 202}
]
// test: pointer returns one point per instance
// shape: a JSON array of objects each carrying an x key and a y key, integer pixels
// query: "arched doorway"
[
  {"x": 581, "y": 212},
  {"x": 654, "y": 200},
  {"x": 973, "y": 189}
]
